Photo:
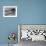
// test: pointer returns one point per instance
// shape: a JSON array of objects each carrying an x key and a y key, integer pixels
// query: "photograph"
[{"x": 9, "y": 11}]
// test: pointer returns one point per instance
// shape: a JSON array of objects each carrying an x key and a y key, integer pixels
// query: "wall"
[
  {"x": 7, "y": 25},
  {"x": 29, "y": 12}
]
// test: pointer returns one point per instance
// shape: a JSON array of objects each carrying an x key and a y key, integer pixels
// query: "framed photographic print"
[{"x": 9, "y": 11}]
